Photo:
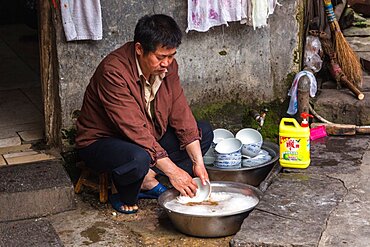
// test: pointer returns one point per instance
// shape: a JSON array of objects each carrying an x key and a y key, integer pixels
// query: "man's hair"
[{"x": 154, "y": 30}]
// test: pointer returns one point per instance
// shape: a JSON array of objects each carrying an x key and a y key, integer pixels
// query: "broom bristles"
[{"x": 348, "y": 59}]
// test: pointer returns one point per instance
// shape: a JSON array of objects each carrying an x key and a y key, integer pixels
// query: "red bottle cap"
[{"x": 305, "y": 117}]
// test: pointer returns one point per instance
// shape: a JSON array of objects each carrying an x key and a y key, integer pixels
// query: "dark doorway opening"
[{"x": 21, "y": 106}]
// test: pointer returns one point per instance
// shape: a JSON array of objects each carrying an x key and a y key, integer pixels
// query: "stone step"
[
  {"x": 342, "y": 106},
  {"x": 29, "y": 233},
  {"x": 34, "y": 190},
  {"x": 25, "y": 153}
]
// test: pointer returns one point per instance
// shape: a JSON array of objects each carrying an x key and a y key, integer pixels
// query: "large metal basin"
[
  {"x": 210, "y": 226},
  {"x": 248, "y": 175}
]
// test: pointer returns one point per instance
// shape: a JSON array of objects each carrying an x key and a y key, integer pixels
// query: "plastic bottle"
[{"x": 294, "y": 140}]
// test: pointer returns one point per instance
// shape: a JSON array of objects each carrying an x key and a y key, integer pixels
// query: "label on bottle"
[{"x": 294, "y": 150}]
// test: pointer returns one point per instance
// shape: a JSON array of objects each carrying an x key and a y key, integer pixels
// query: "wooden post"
[{"x": 303, "y": 95}]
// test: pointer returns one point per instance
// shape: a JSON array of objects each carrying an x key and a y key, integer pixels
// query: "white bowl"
[
  {"x": 228, "y": 146},
  {"x": 221, "y": 134},
  {"x": 202, "y": 194},
  {"x": 252, "y": 141}
]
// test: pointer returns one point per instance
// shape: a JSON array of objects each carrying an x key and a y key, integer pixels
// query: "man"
[{"x": 135, "y": 120}]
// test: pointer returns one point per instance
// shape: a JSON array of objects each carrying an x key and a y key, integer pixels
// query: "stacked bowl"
[
  {"x": 232, "y": 152},
  {"x": 228, "y": 153}
]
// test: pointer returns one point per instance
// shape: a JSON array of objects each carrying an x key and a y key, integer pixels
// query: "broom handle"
[
  {"x": 334, "y": 25},
  {"x": 352, "y": 87}
]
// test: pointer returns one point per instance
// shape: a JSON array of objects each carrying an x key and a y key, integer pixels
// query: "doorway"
[{"x": 21, "y": 103}]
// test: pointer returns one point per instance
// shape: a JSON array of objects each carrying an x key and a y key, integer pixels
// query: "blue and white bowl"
[
  {"x": 232, "y": 156},
  {"x": 221, "y": 134},
  {"x": 228, "y": 153},
  {"x": 252, "y": 141},
  {"x": 257, "y": 160},
  {"x": 227, "y": 164},
  {"x": 228, "y": 146}
]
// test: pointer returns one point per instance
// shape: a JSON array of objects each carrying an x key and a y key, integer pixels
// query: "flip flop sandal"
[
  {"x": 117, "y": 204},
  {"x": 153, "y": 193}
]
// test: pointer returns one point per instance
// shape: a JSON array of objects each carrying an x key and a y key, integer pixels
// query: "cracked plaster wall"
[{"x": 254, "y": 69}]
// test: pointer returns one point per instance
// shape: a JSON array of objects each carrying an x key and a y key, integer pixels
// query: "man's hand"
[
  {"x": 184, "y": 183},
  {"x": 179, "y": 178},
  {"x": 201, "y": 172},
  {"x": 195, "y": 154}
]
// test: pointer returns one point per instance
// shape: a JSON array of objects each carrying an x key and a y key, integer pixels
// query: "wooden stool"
[{"x": 102, "y": 186}]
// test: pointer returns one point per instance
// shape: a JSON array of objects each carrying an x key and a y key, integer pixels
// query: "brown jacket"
[{"x": 114, "y": 106}]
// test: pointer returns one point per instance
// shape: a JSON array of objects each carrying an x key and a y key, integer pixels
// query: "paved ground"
[{"x": 326, "y": 204}]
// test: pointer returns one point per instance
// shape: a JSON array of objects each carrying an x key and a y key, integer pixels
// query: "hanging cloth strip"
[
  {"x": 293, "y": 103},
  {"x": 202, "y": 15},
  {"x": 261, "y": 10},
  {"x": 82, "y": 20}
]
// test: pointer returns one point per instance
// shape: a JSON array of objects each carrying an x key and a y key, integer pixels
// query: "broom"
[
  {"x": 335, "y": 69},
  {"x": 347, "y": 58}
]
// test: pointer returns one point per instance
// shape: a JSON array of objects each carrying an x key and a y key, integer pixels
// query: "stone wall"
[{"x": 255, "y": 65}]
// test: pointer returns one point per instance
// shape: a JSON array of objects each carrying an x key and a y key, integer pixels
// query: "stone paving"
[{"x": 326, "y": 204}]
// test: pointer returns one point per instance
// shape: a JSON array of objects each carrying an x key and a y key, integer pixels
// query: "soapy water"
[{"x": 218, "y": 204}]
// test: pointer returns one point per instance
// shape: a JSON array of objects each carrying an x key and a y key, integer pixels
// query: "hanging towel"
[
  {"x": 259, "y": 13},
  {"x": 293, "y": 103},
  {"x": 82, "y": 19},
  {"x": 261, "y": 9}
]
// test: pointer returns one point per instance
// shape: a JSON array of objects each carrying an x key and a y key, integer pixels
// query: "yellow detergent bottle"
[{"x": 294, "y": 140}]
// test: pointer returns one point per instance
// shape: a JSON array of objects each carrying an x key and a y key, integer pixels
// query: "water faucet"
[{"x": 259, "y": 117}]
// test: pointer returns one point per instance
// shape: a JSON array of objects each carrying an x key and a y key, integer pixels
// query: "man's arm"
[{"x": 195, "y": 153}]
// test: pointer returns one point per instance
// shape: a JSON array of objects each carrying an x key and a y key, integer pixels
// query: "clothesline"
[{"x": 202, "y": 15}]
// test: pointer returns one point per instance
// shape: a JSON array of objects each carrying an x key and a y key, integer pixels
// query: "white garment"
[
  {"x": 260, "y": 13},
  {"x": 82, "y": 19}
]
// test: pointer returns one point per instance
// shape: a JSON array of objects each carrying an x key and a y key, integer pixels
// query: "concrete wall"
[{"x": 254, "y": 70}]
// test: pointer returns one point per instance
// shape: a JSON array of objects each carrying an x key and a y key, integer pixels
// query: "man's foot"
[
  {"x": 120, "y": 206},
  {"x": 149, "y": 180},
  {"x": 153, "y": 193}
]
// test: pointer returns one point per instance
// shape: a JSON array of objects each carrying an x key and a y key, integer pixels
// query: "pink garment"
[{"x": 204, "y": 14}]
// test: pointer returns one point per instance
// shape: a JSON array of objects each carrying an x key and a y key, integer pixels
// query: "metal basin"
[
  {"x": 211, "y": 226},
  {"x": 248, "y": 175}
]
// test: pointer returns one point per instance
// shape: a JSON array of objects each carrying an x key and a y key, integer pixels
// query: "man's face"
[{"x": 154, "y": 63}]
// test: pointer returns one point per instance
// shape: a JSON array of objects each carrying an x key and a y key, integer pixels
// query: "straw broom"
[
  {"x": 347, "y": 58},
  {"x": 335, "y": 69}
]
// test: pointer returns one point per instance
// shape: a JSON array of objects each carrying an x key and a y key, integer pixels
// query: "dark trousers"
[{"x": 129, "y": 163}]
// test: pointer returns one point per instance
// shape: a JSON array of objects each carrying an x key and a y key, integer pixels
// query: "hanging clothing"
[
  {"x": 259, "y": 13},
  {"x": 202, "y": 15},
  {"x": 82, "y": 20}
]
